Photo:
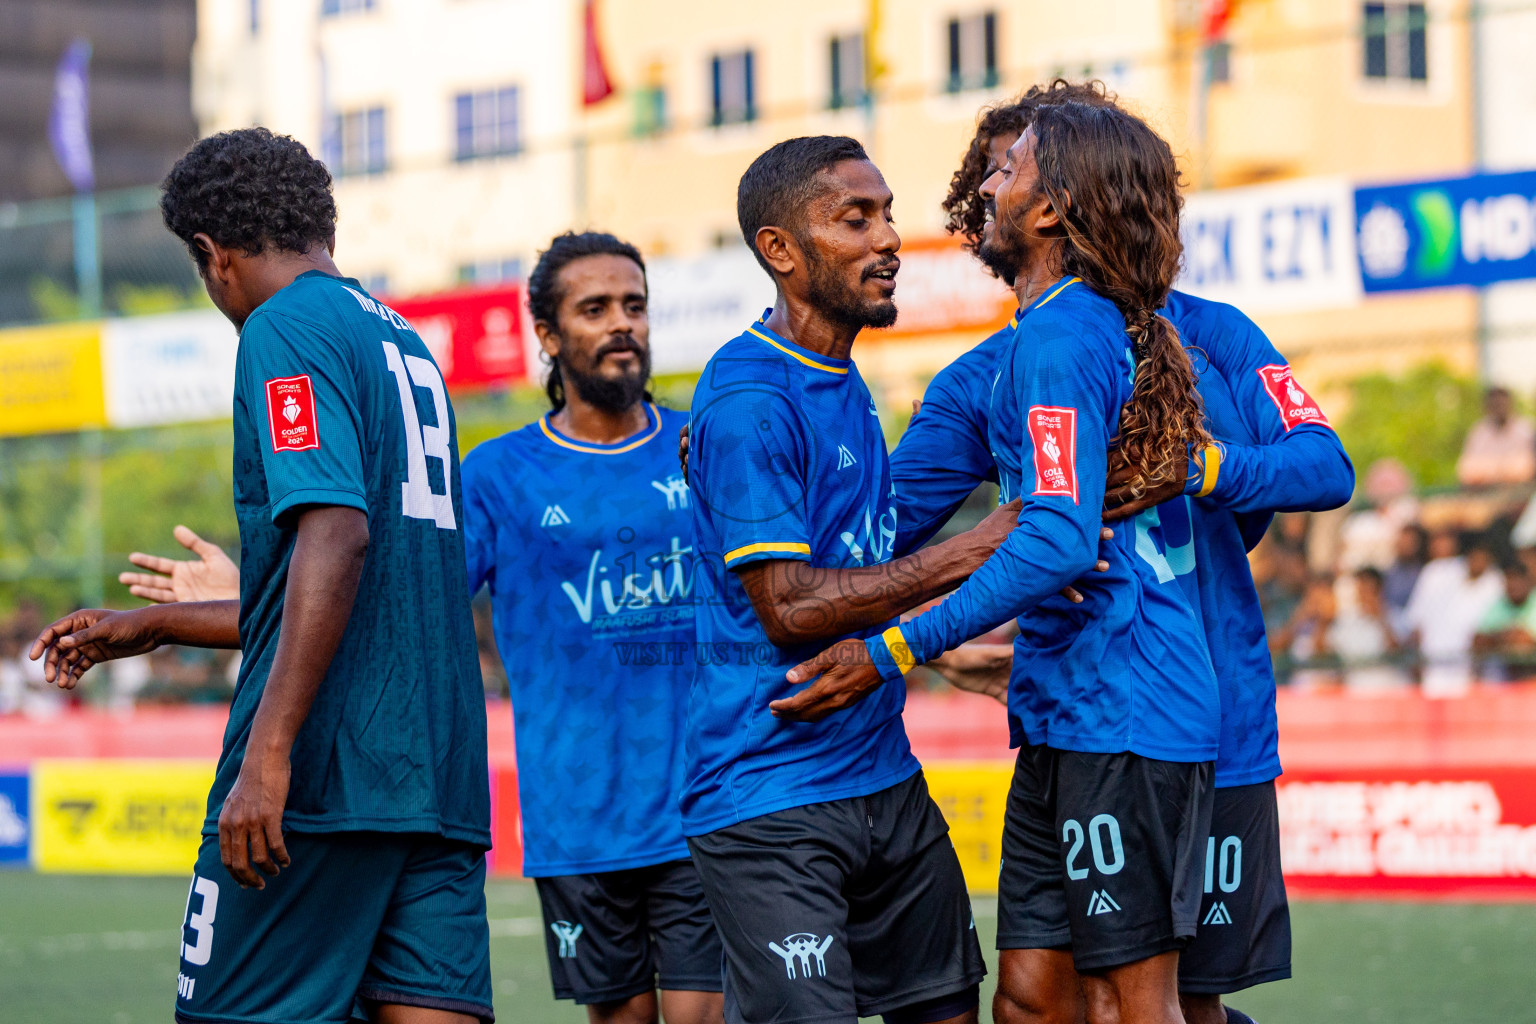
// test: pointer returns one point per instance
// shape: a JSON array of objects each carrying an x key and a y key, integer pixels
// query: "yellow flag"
[{"x": 874, "y": 65}]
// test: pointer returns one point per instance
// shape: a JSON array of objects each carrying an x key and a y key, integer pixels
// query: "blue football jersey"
[
  {"x": 1128, "y": 669},
  {"x": 588, "y": 553},
  {"x": 943, "y": 455},
  {"x": 787, "y": 462},
  {"x": 1279, "y": 454},
  {"x": 338, "y": 402}
]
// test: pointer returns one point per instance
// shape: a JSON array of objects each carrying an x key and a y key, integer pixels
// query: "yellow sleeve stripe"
[
  {"x": 1212, "y": 468},
  {"x": 779, "y": 547},
  {"x": 900, "y": 652}
]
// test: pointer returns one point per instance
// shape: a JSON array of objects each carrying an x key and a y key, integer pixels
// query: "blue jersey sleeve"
[
  {"x": 748, "y": 461},
  {"x": 1069, "y": 394},
  {"x": 942, "y": 457},
  {"x": 479, "y": 525},
  {"x": 1298, "y": 463},
  {"x": 293, "y": 375}
]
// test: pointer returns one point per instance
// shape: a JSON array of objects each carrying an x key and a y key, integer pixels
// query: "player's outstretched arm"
[
  {"x": 209, "y": 577},
  {"x": 93, "y": 635},
  {"x": 799, "y": 603},
  {"x": 323, "y": 577}
]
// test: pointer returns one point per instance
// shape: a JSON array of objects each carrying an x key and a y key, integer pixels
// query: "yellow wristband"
[
  {"x": 1212, "y": 468},
  {"x": 900, "y": 652}
]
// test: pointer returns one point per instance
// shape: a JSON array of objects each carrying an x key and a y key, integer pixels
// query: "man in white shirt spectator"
[
  {"x": 1500, "y": 448},
  {"x": 1449, "y": 601}
]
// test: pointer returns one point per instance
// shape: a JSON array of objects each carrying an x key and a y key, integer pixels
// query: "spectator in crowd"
[
  {"x": 1506, "y": 636},
  {"x": 1363, "y": 638},
  {"x": 1301, "y": 645},
  {"x": 1409, "y": 553},
  {"x": 1369, "y": 535},
  {"x": 1452, "y": 595},
  {"x": 1500, "y": 448},
  {"x": 1281, "y": 586}
]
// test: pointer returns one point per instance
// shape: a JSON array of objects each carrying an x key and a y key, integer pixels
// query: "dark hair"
[
  {"x": 1115, "y": 186},
  {"x": 964, "y": 212},
  {"x": 1371, "y": 573},
  {"x": 782, "y": 181},
  {"x": 249, "y": 189},
  {"x": 545, "y": 293}
]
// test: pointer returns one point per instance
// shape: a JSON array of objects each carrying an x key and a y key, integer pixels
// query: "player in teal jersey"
[
  {"x": 580, "y": 525},
  {"x": 351, "y": 801}
]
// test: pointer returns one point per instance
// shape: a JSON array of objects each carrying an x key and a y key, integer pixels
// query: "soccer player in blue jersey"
[
  {"x": 350, "y": 804},
  {"x": 1112, "y": 702},
  {"x": 581, "y": 525},
  {"x": 1250, "y": 400},
  {"x": 828, "y": 867}
]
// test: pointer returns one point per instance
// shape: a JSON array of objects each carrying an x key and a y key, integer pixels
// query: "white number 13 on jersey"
[{"x": 418, "y": 500}]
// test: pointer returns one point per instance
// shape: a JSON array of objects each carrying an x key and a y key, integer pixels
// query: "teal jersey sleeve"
[
  {"x": 308, "y": 396},
  {"x": 750, "y": 458},
  {"x": 1068, "y": 391}
]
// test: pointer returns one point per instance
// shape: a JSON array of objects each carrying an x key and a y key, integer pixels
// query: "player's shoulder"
[
  {"x": 1074, "y": 325},
  {"x": 1184, "y": 308},
  {"x": 491, "y": 455},
  {"x": 671, "y": 419},
  {"x": 975, "y": 367},
  {"x": 745, "y": 377}
]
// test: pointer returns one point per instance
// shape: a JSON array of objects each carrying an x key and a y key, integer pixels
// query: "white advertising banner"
[
  {"x": 171, "y": 368},
  {"x": 698, "y": 305},
  {"x": 1282, "y": 248}
]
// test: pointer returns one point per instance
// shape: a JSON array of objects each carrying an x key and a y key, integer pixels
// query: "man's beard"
[
  {"x": 831, "y": 297},
  {"x": 610, "y": 394},
  {"x": 1001, "y": 254}
]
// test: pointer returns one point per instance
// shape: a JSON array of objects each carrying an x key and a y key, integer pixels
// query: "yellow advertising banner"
[
  {"x": 973, "y": 795},
  {"x": 50, "y": 379},
  {"x": 118, "y": 817}
]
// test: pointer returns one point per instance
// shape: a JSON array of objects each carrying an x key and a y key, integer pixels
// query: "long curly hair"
[
  {"x": 1115, "y": 186},
  {"x": 964, "y": 212}
]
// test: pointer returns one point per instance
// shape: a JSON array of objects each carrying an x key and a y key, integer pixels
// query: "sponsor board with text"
[
  {"x": 135, "y": 817},
  {"x": 15, "y": 819}
]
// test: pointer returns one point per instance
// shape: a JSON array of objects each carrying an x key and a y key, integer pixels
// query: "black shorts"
[
  {"x": 618, "y": 934},
  {"x": 1245, "y": 921},
  {"x": 1102, "y": 854},
  {"x": 839, "y": 910}
]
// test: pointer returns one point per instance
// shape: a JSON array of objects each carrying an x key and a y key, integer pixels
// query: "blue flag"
[{"x": 69, "y": 125}]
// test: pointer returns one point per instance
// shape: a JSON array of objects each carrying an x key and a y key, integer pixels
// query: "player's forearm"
[
  {"x": 323, "y": 577},
  {"x": 1307, "y": 471},
  {"x": 194, "y": 623},
  {"x": 799, "y": 603}
]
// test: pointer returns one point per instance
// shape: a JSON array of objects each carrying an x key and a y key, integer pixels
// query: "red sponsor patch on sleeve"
[
  {"x": 1054, "y": 433},
  {"x": 1295, "y": 405},
  {"x": 291, "y": 414}
]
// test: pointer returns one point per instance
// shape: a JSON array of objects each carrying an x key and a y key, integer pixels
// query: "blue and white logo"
[
  {"x": 801, "y": 950},
  {"x": 567, "y": 933}
]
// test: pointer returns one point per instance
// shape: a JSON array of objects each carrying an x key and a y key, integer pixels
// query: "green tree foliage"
[{"x": 1419, "y": 418}]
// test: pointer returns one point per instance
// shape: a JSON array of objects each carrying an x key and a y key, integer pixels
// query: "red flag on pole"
[
  {"x": 596, "y": 85},
  {"x": 1213, "y": 20}
]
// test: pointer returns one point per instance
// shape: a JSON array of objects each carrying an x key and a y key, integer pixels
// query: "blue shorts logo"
[{"x": 567, "y": 933}]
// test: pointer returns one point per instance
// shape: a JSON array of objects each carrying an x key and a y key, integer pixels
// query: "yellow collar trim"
[
  {"x": 590, "y": 450},
  {"x": 813, "y": 364},
  {"x": 1059, "y": 289}
]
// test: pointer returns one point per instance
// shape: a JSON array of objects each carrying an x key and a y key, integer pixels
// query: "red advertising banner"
[
  {"x": 475, "y": 335},
  {"x": 1449, "y": 833}
]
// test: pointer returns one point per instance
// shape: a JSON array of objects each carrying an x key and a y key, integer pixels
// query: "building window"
[
  {"x": 1219, "y": 62},
  {"x": 650, "y": 109},
  {"x": 972, "y": 52},
  {"x": 1396, "y": 42},
  {"x": 847, "y": 76},
  {"x": 331, "y": 8},
  {"x": 354, "y": 142},
  {"x": 731, "y": 87},
  {"x": 486, "y": 123},
  {"x": 484, "y": 272}
]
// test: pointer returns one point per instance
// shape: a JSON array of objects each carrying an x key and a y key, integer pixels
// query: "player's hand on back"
[
  {"x": 89, "y": 637},
  {"x": 1122, "y": 500},
  {"x": 846, "y": 674},
  {"x": 682, "y": 448},
  {"x": 209, "y": 577},
  {"x": 251, "y": 820}
]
